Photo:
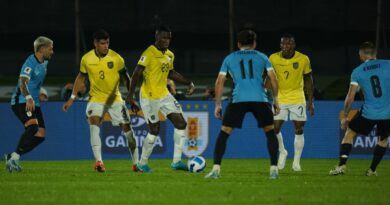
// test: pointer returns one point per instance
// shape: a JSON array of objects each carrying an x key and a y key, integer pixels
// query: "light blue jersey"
[
  {"x": 373, "y": 77},
  {"x": 35, "y": 72},
  {"x": 246, "y": 67}
]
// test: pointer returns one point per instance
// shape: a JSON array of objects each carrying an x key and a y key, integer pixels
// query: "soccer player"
[
  {"x": 104, "y": 69},
  {"x": 295, "y": 80},
  {"x": 373, "y": 77},
  {"x": 156, "y": 66},
  {"x": 25, "y": 101},
  {"x": 246, "y": 67}
]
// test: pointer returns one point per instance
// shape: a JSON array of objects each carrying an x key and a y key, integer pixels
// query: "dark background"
[{"x": 328, "y": 31}]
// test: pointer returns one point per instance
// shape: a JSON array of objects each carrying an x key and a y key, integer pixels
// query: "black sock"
[
  {"x": 345, "y": 150},
  {"x": 220, "y": 147},
  {"x": 272, "y": 144},
  {"x": 28, "y": 141},
  {"x": 378, "y": 154}
]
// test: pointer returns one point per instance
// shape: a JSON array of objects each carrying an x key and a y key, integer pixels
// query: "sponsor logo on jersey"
[{"x": 142, "y": 59}]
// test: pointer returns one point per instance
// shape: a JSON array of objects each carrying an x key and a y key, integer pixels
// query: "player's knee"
[
  {"x": 277, "y": 130},
  {"x": 383, "y": 141},
  {"x": 299, "y": 131},
  {"x": 41, "y": 132},
  {"x": 31, "y": 122},
  {"x": 181, "y": 125},
  {"x": 269, "y": 128},
  {"x": 226, "y": 129},
  {"x": 154, "y": 131},
  {"x": 125, "y": 127},
  {"x": 348, "y": 137},
  {"x": 32, "y": 129}
]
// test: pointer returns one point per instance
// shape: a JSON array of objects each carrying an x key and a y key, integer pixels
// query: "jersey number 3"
[{"x": 376, "y": 86}]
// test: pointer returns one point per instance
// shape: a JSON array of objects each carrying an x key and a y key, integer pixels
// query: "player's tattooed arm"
[
  {"x": 309, "y": 91},
  {"x": 177, "y": 77},
  {"x": 30, "y": 104},
  {"x": 23, "y": 86}
]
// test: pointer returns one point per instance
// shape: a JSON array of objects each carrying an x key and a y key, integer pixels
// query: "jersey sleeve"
[
  {"x": 225, "y": 66},
  {"x": 307, "y": 68},
  {"x": 144, "y": 60},
  {"x": 355, "y": 78},
  {"x": 27, "y": 71},
  {"x": 83, "y": 68},
  {"x": 172, "y": 66},
  {"x": 121, "y": 63},
  {"x": 268, "y": 64}
]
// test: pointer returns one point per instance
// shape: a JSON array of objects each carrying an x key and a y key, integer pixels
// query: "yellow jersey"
[
  {"x": 290, "y": 76},
  {"x": 157, "y": 66},
  {"x": 104, "y": 77}
]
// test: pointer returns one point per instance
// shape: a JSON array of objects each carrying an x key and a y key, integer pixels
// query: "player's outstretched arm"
[
  {"x": 348, "y": 104},
  {"x": 177, "y": 77},
  {"x": 139, "y": 69},
  {"x": 309, "y": 90},
  {"x": 219, "y": 84},
  {"x": 78, "y": 84},
  {"x": 275, "y": 89}
]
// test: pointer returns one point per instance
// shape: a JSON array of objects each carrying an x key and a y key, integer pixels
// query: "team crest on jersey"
[
  {"x": 27, "y": 70},
  {"x": 142, "y": 59},
  {"x": 110, "y": 64},
  {"x": 295, "y": 65}
]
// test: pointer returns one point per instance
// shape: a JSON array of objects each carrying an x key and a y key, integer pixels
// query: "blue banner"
[{"x": 67, "y": 134}]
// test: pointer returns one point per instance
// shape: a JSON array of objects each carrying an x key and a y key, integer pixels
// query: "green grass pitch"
[{"x": 242, "y": 182}]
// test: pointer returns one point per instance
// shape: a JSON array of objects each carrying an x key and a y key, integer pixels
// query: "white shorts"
[
  {"x": 297, "y": 112},
  {"x": 118, "y": 112},
  {"x": 166, "y": 105}
]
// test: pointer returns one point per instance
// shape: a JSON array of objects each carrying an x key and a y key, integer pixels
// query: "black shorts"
[
  {"x": 235, "y": 113},
  {"x": 364, "y": 126},
  {"x": 24, "y": 116}
]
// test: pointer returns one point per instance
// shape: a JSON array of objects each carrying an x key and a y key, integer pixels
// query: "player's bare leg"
[
  {"x": 299, "y": 143},
  {"x": 282, "y": 150}
]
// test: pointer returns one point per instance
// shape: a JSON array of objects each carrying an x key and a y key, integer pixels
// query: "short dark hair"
[
  {"x": 246, "y": 37},
  {"x": 163, "y": 28},
  {"x": 101, "y": 35},
  {"x": 288, "y": 35},
  {"x": 368, "y": 48}
]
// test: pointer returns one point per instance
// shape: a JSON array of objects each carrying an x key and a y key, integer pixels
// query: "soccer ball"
[{"x": 196, "y": 164}]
